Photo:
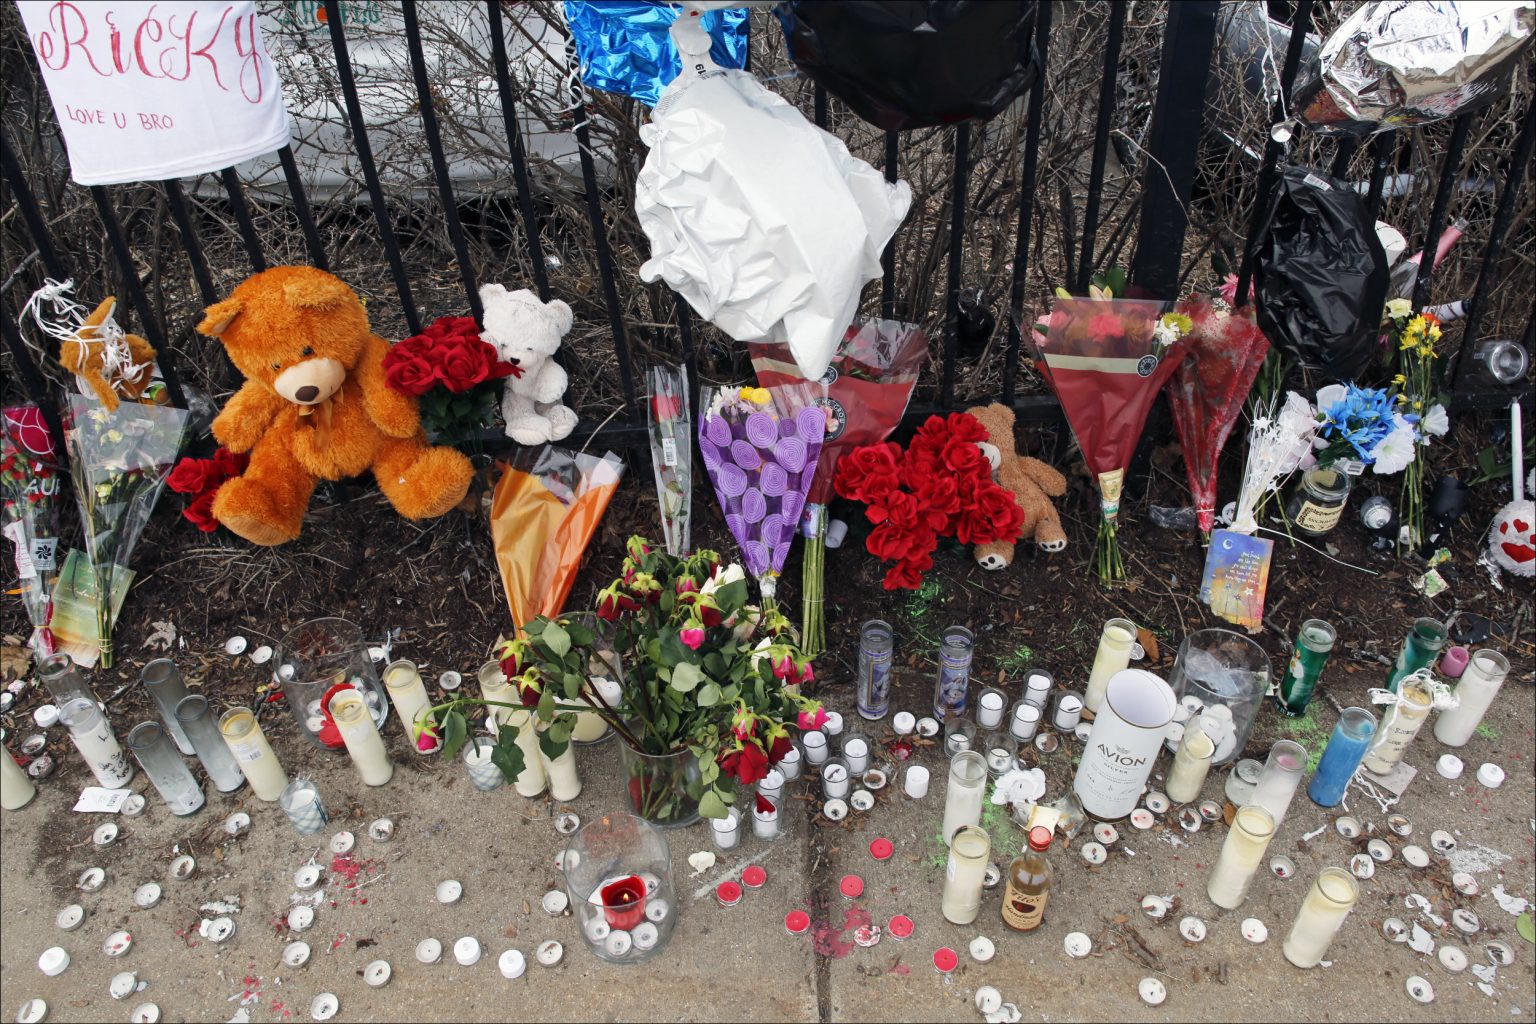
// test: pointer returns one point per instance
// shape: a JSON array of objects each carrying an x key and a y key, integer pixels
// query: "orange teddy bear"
[
  {"x": 315, "y": 406},
  {"x": 86, "y": 357},
  {"x": 1032, "y": 482}
]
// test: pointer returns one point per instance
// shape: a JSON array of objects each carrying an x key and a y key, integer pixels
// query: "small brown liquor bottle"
[{"x": 1029, "y": 883}]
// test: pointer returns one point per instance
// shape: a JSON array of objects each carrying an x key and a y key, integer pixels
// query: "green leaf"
[
  {"x": 455, "y": 731},
  {"x": 581, "y": 636},
  {"x": 714, "y": 664},
  {"x": 507, "y": 755},
  {"x": 686, "y": 676},
  {"x": 564, "y": 725},
  {"x": 546, "y": 709},
  {"x": 709, "y": 770},
  {"x": 708, "y": 695},
  {"x": 557, "y": 639},
  {"x": 552, "y": 745},
  {"x": 711, "y": 806},
  {"x": 732, "y": 596}
]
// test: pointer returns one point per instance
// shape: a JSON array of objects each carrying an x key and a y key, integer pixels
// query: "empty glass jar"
[
  {"x": 1229, "y": 675},
  {"x": 162, "y": 679},
  {"x": 208, "y": 744},
  {"x": 157, "y": 755}
]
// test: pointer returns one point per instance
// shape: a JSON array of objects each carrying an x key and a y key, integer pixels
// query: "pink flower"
[
  {"x": 784, "y": 667},
  {"x": 1228, "y": 290},
  {"x": 692, "y": 636},
  {"x": 808, "y": 674},
  {"x": 808, "y": 720}
]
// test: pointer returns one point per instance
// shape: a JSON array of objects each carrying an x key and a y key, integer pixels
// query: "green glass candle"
[
  {"x": 1313, "y": 645},
  {"x": 1420, "y": 649}
]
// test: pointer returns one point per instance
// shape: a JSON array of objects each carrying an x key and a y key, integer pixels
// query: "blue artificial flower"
[{"x": 1362, "y": 418}]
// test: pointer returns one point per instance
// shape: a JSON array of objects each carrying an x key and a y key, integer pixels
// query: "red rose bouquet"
[
  {"x": 202, "y": 479},
  {"x": 453, "y": 371},
  {"x": 941, "y": 486},
  {"x": 29, "y": 487}
]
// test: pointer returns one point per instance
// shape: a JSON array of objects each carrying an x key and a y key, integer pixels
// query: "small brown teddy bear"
[
  {"x": 315, "y": 406},
  {"x": 86, "y": 358},
  {"x": 1032, "y": 482}
]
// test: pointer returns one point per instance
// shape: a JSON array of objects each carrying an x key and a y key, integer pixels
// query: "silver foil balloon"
[{"x": 1396, "y": 64}]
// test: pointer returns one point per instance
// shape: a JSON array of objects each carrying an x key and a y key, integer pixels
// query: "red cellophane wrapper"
[{"x": 1207, "y": 391}]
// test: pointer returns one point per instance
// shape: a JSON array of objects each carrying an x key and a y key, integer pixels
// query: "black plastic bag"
[
  {"x": 915, "y": 63},
  {"x": 1319, "y": 274}
]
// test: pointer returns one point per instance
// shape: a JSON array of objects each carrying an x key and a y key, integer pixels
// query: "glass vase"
[
  {"x": 1229, "y": 675},
  {"x": 316, "y": 658},
  {"x": 663, "y": 789},
  {"x": 618, "y": 874}
]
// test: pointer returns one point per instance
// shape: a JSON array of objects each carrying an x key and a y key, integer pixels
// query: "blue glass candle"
[
  {"x": 1342, "y": 756},
  {"x": 951, "y": 691}
]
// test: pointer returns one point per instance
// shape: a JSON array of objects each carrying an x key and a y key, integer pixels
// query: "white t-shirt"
[{"x": 151, "y": 89}]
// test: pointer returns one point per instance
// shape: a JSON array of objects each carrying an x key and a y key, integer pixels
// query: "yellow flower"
[
  {"x": 757, "y": 396},
  {"x": 1398, "y": 308},
  {"x": 1399, "y": 381}
]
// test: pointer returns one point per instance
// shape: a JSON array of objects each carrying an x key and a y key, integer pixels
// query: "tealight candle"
[{"x": 903, "y": 722}]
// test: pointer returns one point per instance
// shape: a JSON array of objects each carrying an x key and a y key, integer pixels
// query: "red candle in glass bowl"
[{"x": 624, "y": 902}]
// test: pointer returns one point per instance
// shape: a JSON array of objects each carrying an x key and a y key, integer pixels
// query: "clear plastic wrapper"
[
  {"x": 119, "y": 461},
  {"x": 671, "y": 431}
]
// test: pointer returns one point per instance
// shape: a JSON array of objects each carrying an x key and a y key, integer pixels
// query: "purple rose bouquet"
[{"x": 760, "y": 447}]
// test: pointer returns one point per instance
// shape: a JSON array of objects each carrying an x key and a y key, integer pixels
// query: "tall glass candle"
[
  {"x": 402, "y": 681},
  {"x": 1342, "y": 756},
  {"x": 1321, "y": 916},
  {"x": 93, "y": 738},
  {"x": 1400, "y": 724},
  {"x": 876, "y": 644},
  {"x": 163, "y": 681},
  {"x": 197, "y": 722},
  {"x": 16, "y": 788},
  {"x": 362, "y": 738},
  {"x": 1308, "y": 658},
  {"x": 1480, "y": 682},
  {"x": 956, "y": 647},
  {"x": 1247, "y": 839},
  {"x": 161, "y": 761},
  {"x": 1282, "y": 774},
  {"x": 1114, "y": 655},
  {"x": 64, "y": 681},
  {"x": 564, "y": 780},
  {"x": 965, "y": 875},
  {"x": 1421, "y": 647},
  {"x": 962, "y": 800},
  {"x": 1190, "y": 764},
  {"x": 494, "y": 685},
  {"x": 253, "y": 754},
  {"x": 532, "y": 780}
]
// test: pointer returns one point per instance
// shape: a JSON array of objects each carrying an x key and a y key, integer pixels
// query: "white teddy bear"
[{"x": 526, "y": 333}]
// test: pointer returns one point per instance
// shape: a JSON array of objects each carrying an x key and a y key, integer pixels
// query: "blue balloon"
[{"x": 624, "y": 46}]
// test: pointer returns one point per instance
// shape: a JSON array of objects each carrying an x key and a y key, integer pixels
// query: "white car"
[{"x": 456, "y": 43}]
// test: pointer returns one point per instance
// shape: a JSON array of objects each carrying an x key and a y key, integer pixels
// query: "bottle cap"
[{"x": 1039, "y": 838}]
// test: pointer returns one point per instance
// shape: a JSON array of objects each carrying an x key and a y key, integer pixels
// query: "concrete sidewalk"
[{"x": 740, "y": 963}]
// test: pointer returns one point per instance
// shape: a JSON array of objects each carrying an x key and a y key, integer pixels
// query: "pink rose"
[
  {"x": 810, "y": 720},
  {"x": 692, "y": 637}
]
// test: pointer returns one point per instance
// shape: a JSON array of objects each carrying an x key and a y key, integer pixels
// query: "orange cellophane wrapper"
[{"x": 543, "y": 515}]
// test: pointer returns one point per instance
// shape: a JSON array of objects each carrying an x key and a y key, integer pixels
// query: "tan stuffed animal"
[
  {"x": 1032, "y": 482},
  {"x": 87, "y": 356}
]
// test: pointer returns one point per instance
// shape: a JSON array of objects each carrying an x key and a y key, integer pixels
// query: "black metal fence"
[{"x": 1167, "y": 166}]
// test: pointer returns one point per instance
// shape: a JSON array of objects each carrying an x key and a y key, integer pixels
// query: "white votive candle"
[
  {"x": 834, "y": 780},
  {"x": 856, "y": 753},
  {"x": 815, "y": 744},
  {"x": 989, "y": 709},
  {"x": 791, "y": 763},
  {"x": 727, "y": 831},
  {"x": 915, "y": 785}
]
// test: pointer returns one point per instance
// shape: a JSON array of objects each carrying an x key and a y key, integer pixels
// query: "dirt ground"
[{"x": 433, "y": 593}]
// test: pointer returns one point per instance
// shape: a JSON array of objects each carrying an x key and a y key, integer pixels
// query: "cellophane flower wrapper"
[
  {"x": 544, "y": 511},
  {"x": 1102, "y": 359},
  {"x": 760, "y": 447},
  {"x": 119, "y": 461},
  {"x": 1207, "y": 391},
  {"x": 29, "y": 490},
  {"x": 865, "y": 392},
  {"x": 671, "y": 435}
]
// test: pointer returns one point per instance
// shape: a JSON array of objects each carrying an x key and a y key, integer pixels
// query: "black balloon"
[
  {"x": 1319, "y": 274},
  {"x": 915, "y": 63},
  {"x": 974, "y": 324}
]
